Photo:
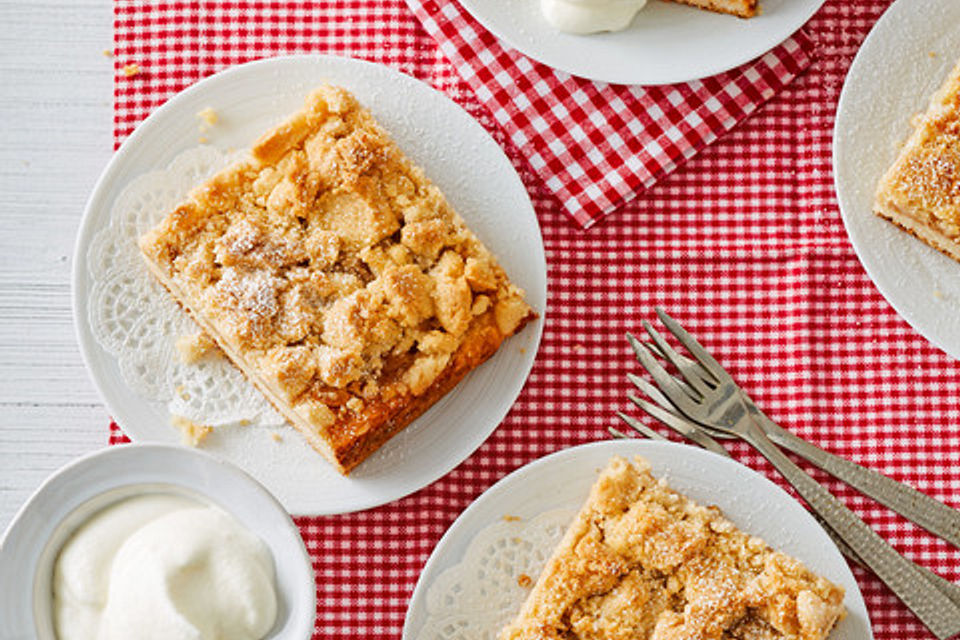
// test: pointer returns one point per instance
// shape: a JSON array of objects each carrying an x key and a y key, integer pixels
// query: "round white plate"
[
  {"x": 457, "y": 154},
  {"x": 902, "y": 62},
  {"x": 563, "y": 480},
  {"x": 665, "y": 43},
  {"x": 83, "y": 487}
]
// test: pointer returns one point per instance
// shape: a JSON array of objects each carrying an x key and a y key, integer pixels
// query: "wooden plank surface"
[{"x": 55, "y": 138}]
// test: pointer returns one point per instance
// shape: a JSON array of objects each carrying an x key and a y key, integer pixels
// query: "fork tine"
[
  {"x": 680, "y": 395},
  {"x": 673, "y": 358},
  {"x": 702, "y": 356},
  {"x": 638, "y": 426},
  {"x": 649, "y": 390},
  {"x": 682, "y": 426},
  {"x": 616, "y": 433},
  {"x": 655, "y": 350},
  {"x": 654, "y": 394},
  {"x": 685, "y": 363}
]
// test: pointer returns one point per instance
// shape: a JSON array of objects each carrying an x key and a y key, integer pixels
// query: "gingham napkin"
[
  {"x": 597, "y": 145},
  {"x": 743, "y": 244}
]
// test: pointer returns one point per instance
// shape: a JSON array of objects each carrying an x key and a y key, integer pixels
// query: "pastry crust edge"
[{"x": 923, "y": 231}]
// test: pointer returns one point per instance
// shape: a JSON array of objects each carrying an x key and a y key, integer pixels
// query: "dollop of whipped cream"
[
  {"x": 590, "y": 16},
  {"x": 163, "y": 567}
]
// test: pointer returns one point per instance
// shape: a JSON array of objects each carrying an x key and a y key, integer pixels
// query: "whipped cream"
[
  {"x": 590, "y": 16},
  {"x": 163, "y": 566}
]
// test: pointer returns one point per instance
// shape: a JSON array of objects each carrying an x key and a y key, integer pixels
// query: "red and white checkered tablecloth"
[{"x": 743, "y": 244}]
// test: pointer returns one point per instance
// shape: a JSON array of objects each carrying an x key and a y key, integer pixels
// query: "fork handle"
[
  {"x": 932, "y": 515},
  {"x": 937, "y": 612}
]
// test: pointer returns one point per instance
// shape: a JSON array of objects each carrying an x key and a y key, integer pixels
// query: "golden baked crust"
[
  {"x": 642, "y": 562},
  {"x": 741, "y": 8},
  {"x": 336, "y": 277},
  {"x": 921, "y": 190}
]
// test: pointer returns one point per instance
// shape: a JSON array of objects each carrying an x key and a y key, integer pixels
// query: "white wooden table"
[{"x": 55, "y": 138}]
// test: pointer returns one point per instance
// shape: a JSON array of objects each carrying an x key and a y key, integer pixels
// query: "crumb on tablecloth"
[{"x": 131, "y": 69}]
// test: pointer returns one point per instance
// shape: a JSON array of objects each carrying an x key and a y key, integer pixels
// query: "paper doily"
[
  {"x": 135, "y": 320},
  {"x": 475, "y": 599}
]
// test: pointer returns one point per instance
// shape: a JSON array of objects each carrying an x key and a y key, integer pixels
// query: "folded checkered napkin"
[{"x": 598, "y": 145}]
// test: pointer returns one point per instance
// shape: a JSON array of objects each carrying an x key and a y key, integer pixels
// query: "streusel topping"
[
  {"x": 333, "y": 263},
  {"x": 641, "y": 561}
]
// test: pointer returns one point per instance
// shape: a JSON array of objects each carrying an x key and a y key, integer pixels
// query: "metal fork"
[
  {"x": 918, "y": 507},
  {"x": 723, "y": 407}
]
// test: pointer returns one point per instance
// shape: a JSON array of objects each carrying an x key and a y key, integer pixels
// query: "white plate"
[
  {"x": 563, "y": 480},
  {"x": 902, "y": 62},
  {"x": 75, "y": 492},
  {"x": 460, "y": 157},
  {"x": 665, "y": 43}
]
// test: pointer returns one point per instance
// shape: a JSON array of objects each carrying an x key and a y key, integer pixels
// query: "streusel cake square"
[
  {"x": 920, "y": 192},
  {"x": 336, "y": 276},
  {"x": 641, "y": 561}
]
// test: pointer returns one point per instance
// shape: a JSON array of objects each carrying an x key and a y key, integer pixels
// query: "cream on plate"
[{"x": 590, "y": 16}]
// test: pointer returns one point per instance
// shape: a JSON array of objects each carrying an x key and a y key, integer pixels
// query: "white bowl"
[{"x": 72, "y": 494}]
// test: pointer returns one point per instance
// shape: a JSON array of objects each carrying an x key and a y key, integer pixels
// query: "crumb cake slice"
[
  {"x": 741, "y": 8},
  {"x": 643, "y": 562},
  {"x": 921, "y": 191},
  {"x": 336, "y": 277}
]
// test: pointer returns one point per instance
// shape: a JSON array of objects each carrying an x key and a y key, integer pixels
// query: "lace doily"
[
  {"x": 134, "y": 318},
  {"x": 475, "y": 599}
]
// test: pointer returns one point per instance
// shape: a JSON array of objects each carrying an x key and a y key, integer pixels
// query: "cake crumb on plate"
[{"x": 192, "y": 434}]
